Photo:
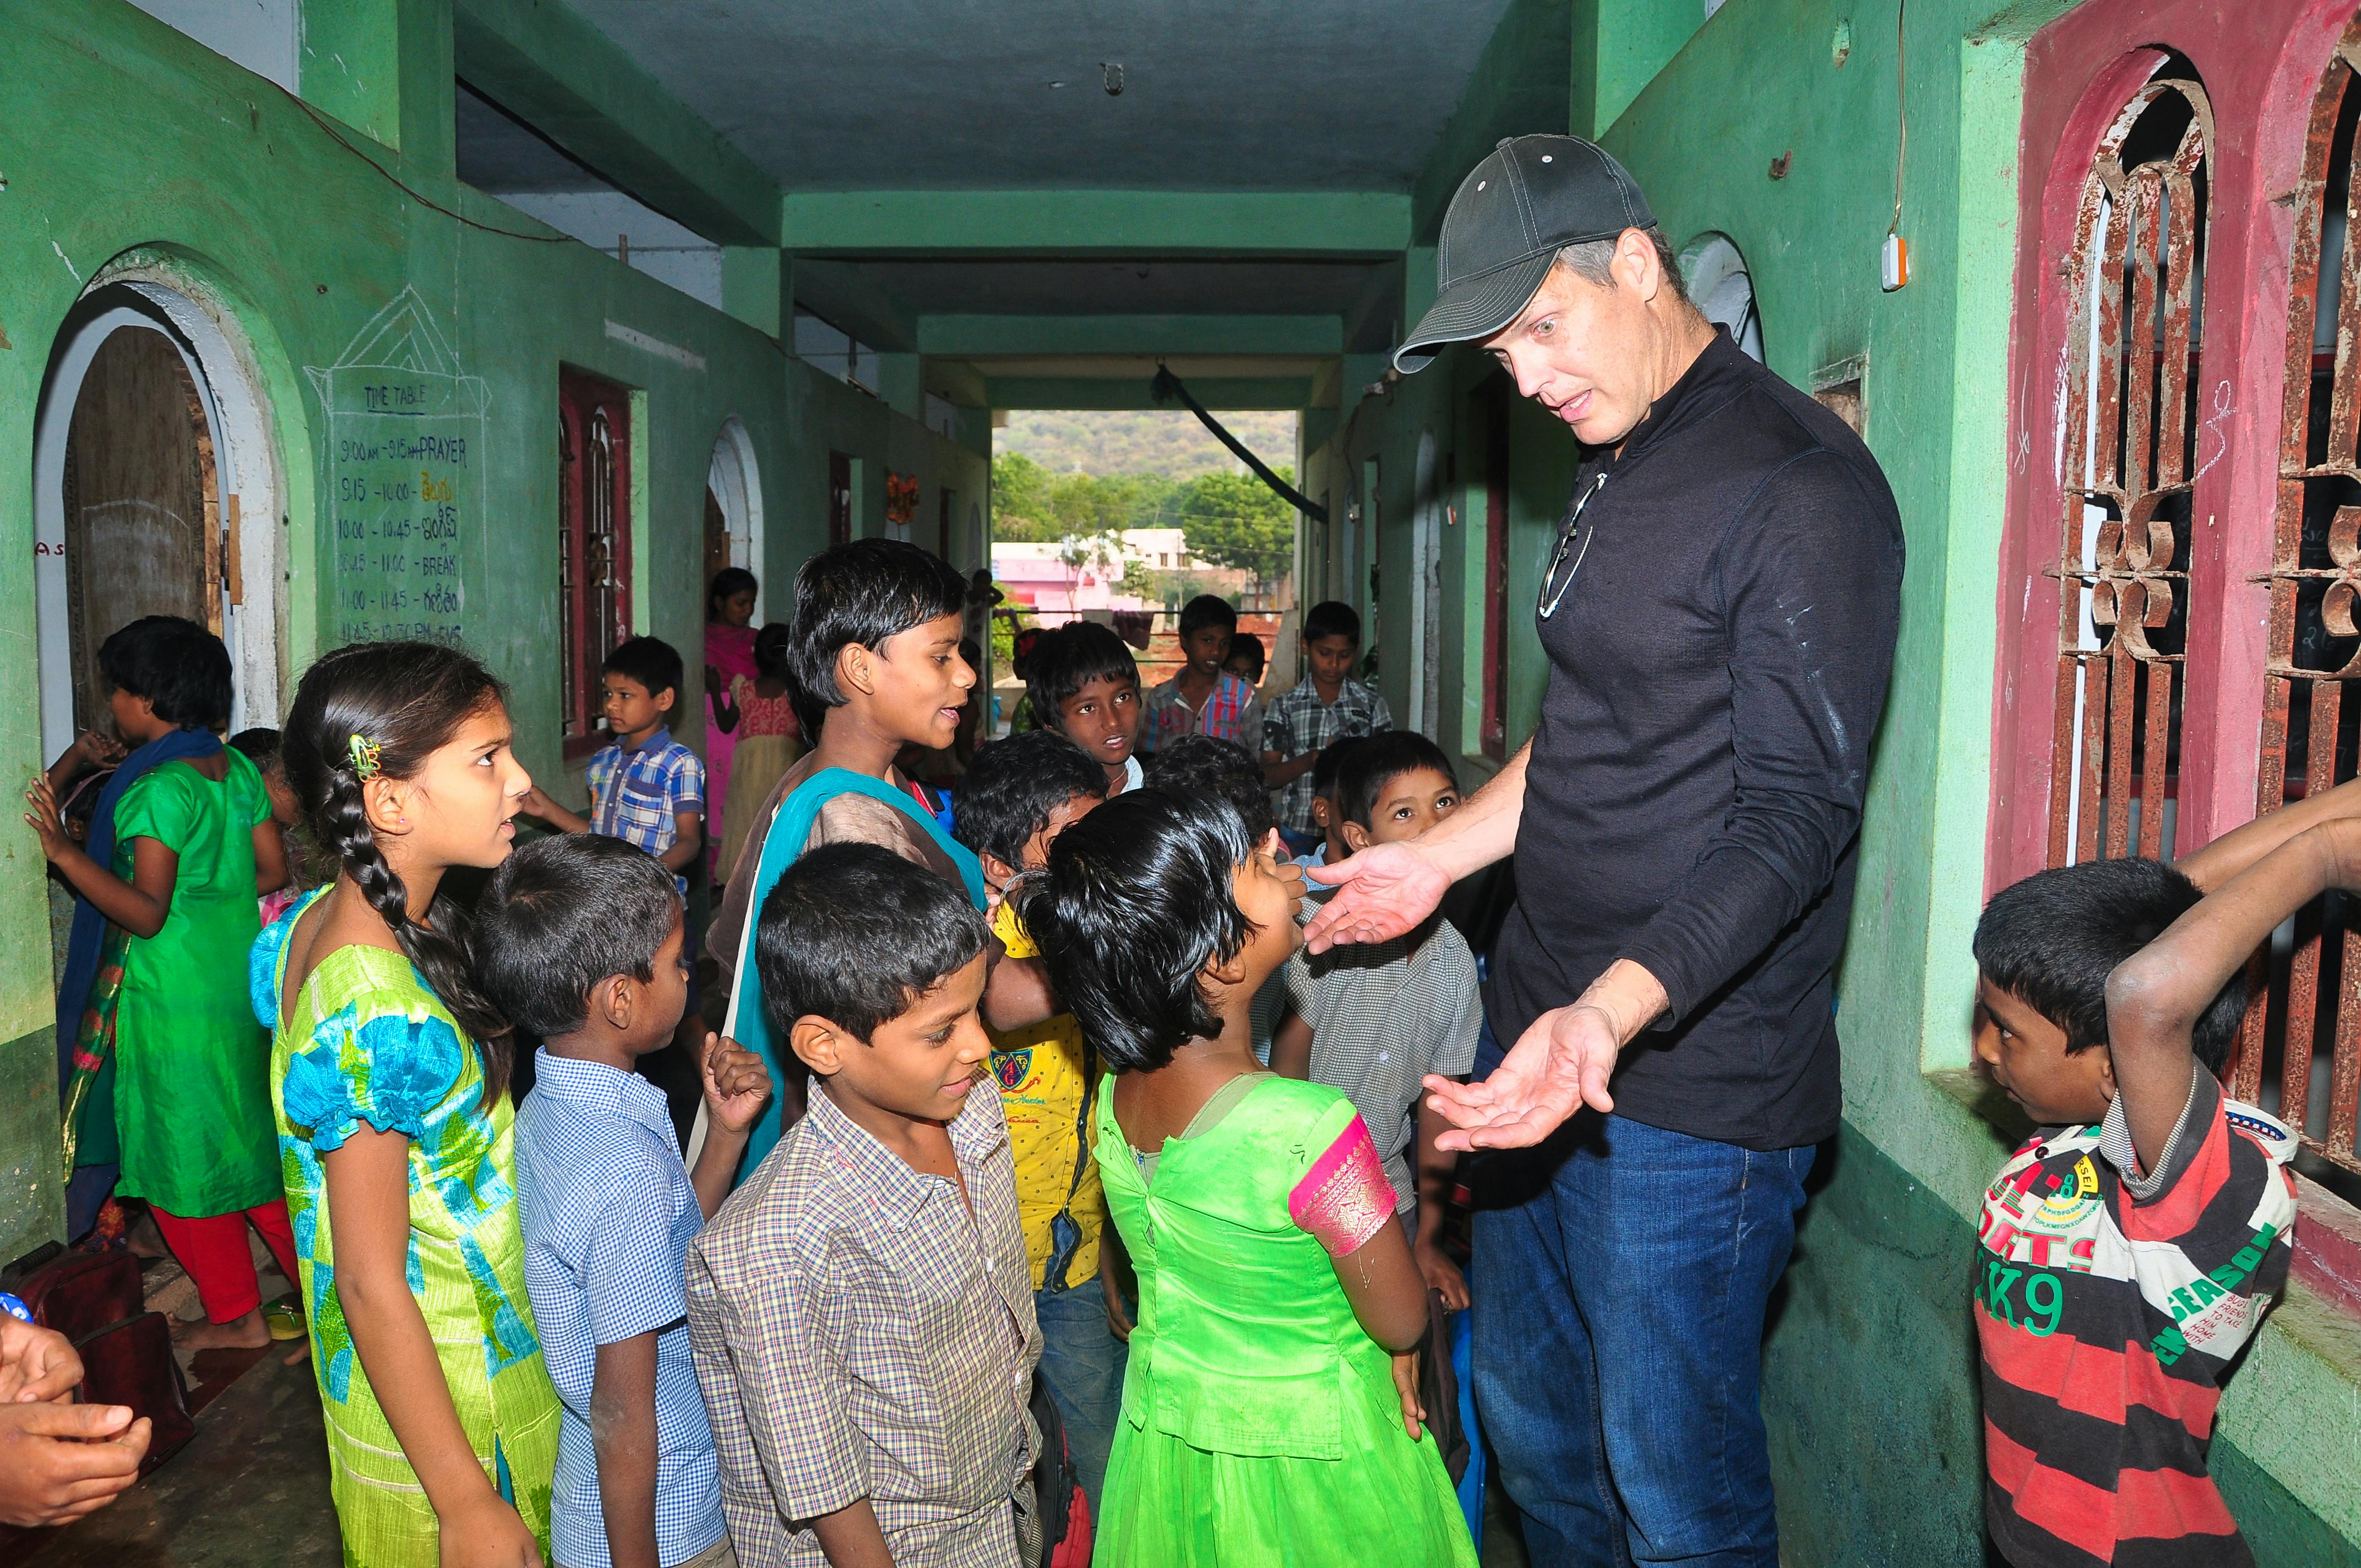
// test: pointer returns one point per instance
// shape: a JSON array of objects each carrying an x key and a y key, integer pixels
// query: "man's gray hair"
[{"x": 1593, "y": 261}]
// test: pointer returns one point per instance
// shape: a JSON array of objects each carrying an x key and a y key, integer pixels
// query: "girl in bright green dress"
[
  {"x": 1268, "y": 1407},
  {"x": 169, "y": 1078},
  {"x": 390, "y": 1074}
]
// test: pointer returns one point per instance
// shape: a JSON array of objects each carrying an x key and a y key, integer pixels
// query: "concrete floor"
[{"x": 251, "y": 1487}]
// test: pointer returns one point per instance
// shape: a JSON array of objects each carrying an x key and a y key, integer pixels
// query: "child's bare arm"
[
  {"x": 851, "y": 1538},
  {"x": 270, "y": 858},
  {"x": 1290, "y": 1048},
  {"x": 623, "y": 1439},
  {"x": 688, "y": 841},
  {"x": 369, "y": 1212},
  {"x": 2155, "y": 997},
  {"x": 140, "y": 905},
  {"x": 2233, "y": 851},
  {"x": 538, "y": 805},
  {"x": 1436, "y": 1167},
  {"x": 1018, "y": 994},
  {"x": 1383, "y": 1285}
]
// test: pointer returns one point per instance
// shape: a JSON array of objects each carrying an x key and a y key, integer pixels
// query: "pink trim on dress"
[{"x": 1345, "y": 1199}]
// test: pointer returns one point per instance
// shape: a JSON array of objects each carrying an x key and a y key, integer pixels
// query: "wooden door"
[
  {"x": 595, "y": 542},
  {"x": 143, "y": 524},
  {"x": 840, "y": 498},
  {"x": 716, "y": 541}
]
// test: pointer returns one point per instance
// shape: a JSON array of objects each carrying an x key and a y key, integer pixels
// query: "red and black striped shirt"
[{"x": 2108, "y": 1308}]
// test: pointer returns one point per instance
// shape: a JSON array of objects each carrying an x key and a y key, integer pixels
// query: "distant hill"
[{"x": 1172, "y": 446}]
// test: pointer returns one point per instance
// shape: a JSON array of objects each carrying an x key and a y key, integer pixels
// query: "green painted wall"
[{"x": 231, "y": 189}]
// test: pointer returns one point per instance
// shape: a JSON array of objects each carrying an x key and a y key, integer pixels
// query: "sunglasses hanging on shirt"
[{"x": 1552, "y": 586}]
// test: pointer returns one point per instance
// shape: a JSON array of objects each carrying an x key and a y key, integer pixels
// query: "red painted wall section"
[{"x": 2259, "y": 65}]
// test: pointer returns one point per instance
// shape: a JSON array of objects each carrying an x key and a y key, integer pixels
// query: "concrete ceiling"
[
  {"x": 951, "y": 94},
  {"x": 1049, "y": 286},
  {"x": 498, "y": 151}
]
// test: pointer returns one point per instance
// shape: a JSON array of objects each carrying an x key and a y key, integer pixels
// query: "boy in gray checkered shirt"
[{"x": 1374, "y": 1019}]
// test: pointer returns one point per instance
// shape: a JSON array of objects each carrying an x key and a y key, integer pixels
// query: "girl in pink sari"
[{"x": 729, "y": 654}]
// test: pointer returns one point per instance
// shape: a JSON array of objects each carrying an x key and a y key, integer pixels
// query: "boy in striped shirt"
[{"x": 2130, "y": 1247}]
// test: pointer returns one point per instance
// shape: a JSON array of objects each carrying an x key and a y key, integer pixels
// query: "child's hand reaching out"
[
  {"x": 47, "y": 822},
  {"x": 737, "y": 1085}
]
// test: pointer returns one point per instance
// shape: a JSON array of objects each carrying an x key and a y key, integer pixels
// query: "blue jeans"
[
  {"x": 1618, "y": 1288},
  {"x": 1081, "y": 1363}
]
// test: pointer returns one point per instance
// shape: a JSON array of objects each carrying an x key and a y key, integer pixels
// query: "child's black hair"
[
  {"x": 407, "y": 700},
  {"x": 651, "y": 661},
  {"x": 1207, "y": 611},
  {"x": 176, "y": 664},
  {"x": 1364, "y": 770},
  {"x": 1067, "y": 658},
  {"x": 729, "y": 581},
  {"x": 1011, "y": 788},
  {"x": 856, "y": 934},
  {"x": 560, "y": 916},
  {"x": 1214, "y": 766},
  {"x": 1332, "y": 762},
  {"x": 1331, "y": 618},
  {"x": 2052, "y": 939},
  {"x": 1247, "y": 643},
  {"x": 862, "y": 593},
  {"x": 1138, "y": 898},
  {"x": 259, "y": 746},
  {"x": 771, "y": 646}
]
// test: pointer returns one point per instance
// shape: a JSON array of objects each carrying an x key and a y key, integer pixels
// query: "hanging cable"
[
  {"x": 1901, "y": 107},
  {"x": 1167, "y": 387}
]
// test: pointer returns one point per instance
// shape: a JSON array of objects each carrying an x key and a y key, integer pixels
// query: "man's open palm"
[
  {"x": 1381, "y": 893},
  {"x": 1561, "y": 1063}
]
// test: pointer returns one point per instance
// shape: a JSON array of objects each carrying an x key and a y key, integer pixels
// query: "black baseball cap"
[{"x": 1529, "y": 198}]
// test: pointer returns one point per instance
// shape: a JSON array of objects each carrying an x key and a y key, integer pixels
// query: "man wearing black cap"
[{"x": 1719, "y": 612}]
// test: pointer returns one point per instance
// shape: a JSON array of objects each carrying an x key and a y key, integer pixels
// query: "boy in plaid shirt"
[
  {"x": 647, "y": 788},
  {"x": 1328, "y": 704}
]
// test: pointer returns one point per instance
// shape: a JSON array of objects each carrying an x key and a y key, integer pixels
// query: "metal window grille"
[
  {"x": 2304, "y": 1042},
  {"x": 2128, "y": 439}
]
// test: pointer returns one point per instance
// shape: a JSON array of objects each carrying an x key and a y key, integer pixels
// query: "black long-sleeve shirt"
[{"x": 1694, "y": 796}]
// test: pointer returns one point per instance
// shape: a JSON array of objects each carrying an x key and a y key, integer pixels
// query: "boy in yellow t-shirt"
[{"x": 1017, "y": 796}]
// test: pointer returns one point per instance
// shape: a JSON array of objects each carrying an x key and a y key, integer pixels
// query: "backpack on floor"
[{"x": 93, "y": 1299}]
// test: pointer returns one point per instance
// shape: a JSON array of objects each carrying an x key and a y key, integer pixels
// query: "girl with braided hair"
[{"x": 390, "y": 1079}]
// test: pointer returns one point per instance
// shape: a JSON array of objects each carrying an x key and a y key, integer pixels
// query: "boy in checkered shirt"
[
  {"x": 579, "y": 941},
  {"x": 1374, "y": 1020},
  {"x": 647, "y": 788}
]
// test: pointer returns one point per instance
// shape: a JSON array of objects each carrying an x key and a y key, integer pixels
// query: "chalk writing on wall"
[{"x": 404, "y": 466}]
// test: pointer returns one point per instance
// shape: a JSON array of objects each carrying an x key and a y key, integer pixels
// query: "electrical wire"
[
  {"x": 396, "y": 182},
  {"x": 1901, "y": 105}
]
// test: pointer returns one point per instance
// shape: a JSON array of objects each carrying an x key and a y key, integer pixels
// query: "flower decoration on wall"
[{"x": 901, "y": 499}]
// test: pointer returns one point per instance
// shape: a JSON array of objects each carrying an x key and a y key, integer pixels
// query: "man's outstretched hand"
[
  {"x": 1560, "y": 1065},
  {"x": 1381, "y": 893}
]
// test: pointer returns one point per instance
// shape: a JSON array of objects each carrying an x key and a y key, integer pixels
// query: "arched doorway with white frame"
[
  {"x": 734, "y": 486},
  {"x": 158, "y": 488},
  {"x": 1717, "y": 280}
]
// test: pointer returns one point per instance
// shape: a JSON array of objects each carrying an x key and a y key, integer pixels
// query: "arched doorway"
[
  {"x": 733, "y": 509},
  {"x": 156, "y": 490},
  {"x": 1426, "y": 592},
  {"x": 1717, "y": 280}
]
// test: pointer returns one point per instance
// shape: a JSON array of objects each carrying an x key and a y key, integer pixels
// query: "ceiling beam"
[
  {"x": 1101, "y": 393},
  {"x": 1034, "y": 337},
  {"x": 1095, "y": 223},
  {"x": 553, "y": 70}
]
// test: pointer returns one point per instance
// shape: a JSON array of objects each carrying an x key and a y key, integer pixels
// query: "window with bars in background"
[
  {"x": 2129, "y": 431},
  {"x": 594, "y": 550},
  {"x": 2300, "y": 1055}
]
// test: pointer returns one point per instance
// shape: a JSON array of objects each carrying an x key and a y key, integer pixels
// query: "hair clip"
[{"x": 366, "y": 759}]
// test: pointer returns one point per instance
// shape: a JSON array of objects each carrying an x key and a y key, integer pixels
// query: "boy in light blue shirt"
[{"x": 578, "y": 940}]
